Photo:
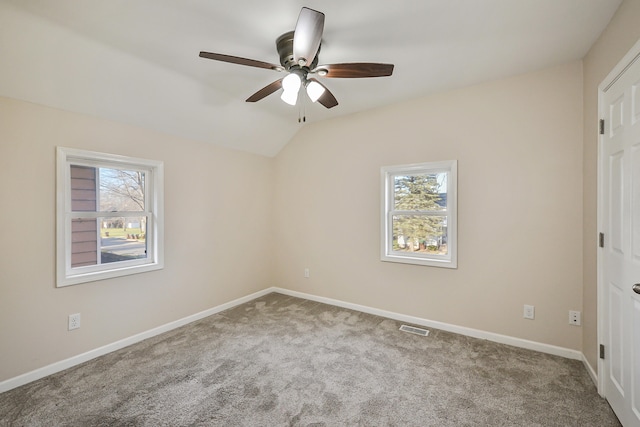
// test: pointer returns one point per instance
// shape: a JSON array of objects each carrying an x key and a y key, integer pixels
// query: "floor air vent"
[{"x": 413, "y": 330}]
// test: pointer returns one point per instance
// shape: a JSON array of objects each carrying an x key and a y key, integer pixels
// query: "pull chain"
[{"x": 302, "y": 110}]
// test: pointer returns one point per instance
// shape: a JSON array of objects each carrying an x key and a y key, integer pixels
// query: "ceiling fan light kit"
[
  {"x": 290, "y": 88},
  {"x": 298, "y": 51},
  {"x": 314, "y": 90}
]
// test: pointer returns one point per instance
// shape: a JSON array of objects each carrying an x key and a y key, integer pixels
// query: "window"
[
  {"x": 419, "y": 214},
  {"x": 109, "y": 216}
]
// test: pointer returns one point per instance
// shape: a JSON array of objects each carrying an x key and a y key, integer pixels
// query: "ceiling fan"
[{"x": 298, "y": 52}]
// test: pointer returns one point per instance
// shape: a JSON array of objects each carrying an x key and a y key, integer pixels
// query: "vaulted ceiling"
[{"x": 136, "y": 61}]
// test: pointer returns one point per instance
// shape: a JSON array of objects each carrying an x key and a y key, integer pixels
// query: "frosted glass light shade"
[
  {"x": 290, "y": 97},
  {"x": 314, "y": 90},
  {"x": 291, "y": 83},
  {"x": 290, "y": 87}
]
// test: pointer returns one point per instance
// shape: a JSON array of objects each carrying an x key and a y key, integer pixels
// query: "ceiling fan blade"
[
  {"x": 241, "y": 61},
  {"x": 265, "y": 91},
  {"x": 354, "y": 70},
  {"x": 327, "y": 99},
  {"x": 307, "y": 36}
]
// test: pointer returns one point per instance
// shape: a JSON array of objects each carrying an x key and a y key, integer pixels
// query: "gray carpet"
[{"x": 280, "y": 361}]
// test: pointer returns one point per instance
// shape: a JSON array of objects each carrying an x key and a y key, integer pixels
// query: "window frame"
[
  {"x": 154, "y": 210},
  {"x": 387, "y": 174}
]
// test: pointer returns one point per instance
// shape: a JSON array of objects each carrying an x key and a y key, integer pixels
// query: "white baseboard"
[
  {"x": 34, "y": 375},
  {"x": 462, "y": 330},
  {"x": 590, "y": 370},
  {"x": 475, "y": 333}
]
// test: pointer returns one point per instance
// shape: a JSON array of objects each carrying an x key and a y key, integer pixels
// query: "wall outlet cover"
[
  {"x": 74, "y": 321},
  {"x": 529, "y": 312}
]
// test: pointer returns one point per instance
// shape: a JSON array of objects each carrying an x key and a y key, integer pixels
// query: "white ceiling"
[{"x": 136, "y": 61}]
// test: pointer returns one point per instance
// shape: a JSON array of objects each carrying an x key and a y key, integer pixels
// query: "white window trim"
[
  {"x": 154, "y": 191},
  {"x": 386, "y": 232}
]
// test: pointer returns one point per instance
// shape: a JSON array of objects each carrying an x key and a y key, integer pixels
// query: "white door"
[{"x": 620, "y": 257}]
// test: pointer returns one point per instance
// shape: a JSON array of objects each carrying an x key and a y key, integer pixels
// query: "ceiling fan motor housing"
[{"x": 284, "y": 44}]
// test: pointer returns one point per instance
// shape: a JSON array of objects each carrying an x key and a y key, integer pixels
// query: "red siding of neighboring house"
[{"x": 84, "y": 232}]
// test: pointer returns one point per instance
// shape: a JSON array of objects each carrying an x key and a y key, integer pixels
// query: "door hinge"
[
  {"x": 601, "y": 240},
  {"x": 601, "y": 126},
  {"x": 601, "y": 351}
]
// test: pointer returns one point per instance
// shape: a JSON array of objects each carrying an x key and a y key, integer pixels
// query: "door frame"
[{"x": 632, "y": 56}]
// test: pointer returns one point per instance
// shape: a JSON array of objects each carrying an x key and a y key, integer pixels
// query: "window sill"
[
  {"x": 430, "y": 262},
  {"x": 76, "y": 279}
]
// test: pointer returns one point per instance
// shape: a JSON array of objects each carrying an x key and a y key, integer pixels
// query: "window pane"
[
  {"x": 84, "y": 242},
  {"x": 123, "y": 239},
  {"x": 420, "y": 234},
  {"x": 121, "y": 190},
  {"x": 423, "y": 192}
]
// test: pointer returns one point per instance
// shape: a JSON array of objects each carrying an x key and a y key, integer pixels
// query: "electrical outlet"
[
  {"x": 306, "y": 273},
  {"x": 74, "y": 321},
  {"x": 529, "y": 312},
  {"x": 574, "y": 318}
]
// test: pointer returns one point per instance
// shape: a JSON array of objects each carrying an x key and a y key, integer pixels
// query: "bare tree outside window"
[
  {"x": 123, "y": 237},
  {"x": 121, "y": 190}
]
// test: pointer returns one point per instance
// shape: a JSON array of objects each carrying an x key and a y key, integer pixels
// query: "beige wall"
[
  {"x": 518, "y": 143},
  {"x": 217, "y": 236},
  {"x": 621, "y": 34}
]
